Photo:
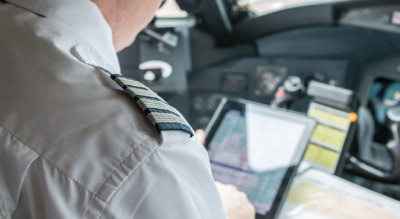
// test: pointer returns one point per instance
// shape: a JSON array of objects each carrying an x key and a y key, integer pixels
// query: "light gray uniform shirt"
[{"x": 74, "y": 145}]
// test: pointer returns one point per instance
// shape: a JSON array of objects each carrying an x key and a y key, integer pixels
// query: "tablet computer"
[{"x": 257, "y": 148}]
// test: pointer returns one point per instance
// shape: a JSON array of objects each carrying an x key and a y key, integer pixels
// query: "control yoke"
[{"x": 393, "y": 147}]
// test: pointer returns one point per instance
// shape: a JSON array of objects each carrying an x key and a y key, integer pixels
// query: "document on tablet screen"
[{"x": 253, "y": 152}]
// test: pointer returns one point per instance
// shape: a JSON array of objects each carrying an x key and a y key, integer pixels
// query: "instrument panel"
[{"x": 257, "y": 79}]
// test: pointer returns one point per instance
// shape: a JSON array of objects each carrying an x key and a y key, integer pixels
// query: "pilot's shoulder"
[{"x": 168, "y": 177}]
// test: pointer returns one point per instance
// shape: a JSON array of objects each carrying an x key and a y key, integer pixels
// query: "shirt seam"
[
  {"x": 118, "y": 166},
  {"x": 26, "y": 6},
  {"x": 127, "y": 176},
  {"x": 133, "y": 171},
  {"x": 78, "y": 38},
  {"x": 53, "y": 165}
]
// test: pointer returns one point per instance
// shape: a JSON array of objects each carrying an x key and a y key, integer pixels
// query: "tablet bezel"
[{"x": 240, "y": 104}]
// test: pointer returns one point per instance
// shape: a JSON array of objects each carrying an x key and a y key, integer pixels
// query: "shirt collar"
[{"x": 85, "y": 18}]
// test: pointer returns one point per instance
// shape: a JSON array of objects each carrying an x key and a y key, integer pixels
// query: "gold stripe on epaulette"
[
  {"x": 165, "y": 118},
  {"x": 138, "y": 92},
  {"x": 124, "y": 81},
  {"x": 153, "y": 104}
]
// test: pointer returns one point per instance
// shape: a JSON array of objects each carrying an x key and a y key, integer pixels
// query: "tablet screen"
[{"x": 254, "y": 151}]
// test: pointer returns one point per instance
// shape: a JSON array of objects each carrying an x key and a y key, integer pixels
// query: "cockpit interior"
[{"x": 336, "y": 61}]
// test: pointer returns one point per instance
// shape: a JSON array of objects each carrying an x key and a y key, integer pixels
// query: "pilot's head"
[{"x": 127, "y": 18}]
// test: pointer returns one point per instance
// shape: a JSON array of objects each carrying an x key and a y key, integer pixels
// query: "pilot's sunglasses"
[{"x": 162, "y": 3}]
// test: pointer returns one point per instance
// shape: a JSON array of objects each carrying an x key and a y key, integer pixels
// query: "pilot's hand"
[
  {"x": 201, "y": 135},
  {"x": 235, "y": 203}
]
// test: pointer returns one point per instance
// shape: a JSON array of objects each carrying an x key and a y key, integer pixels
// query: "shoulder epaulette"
[{"x": 163, "y": 116}]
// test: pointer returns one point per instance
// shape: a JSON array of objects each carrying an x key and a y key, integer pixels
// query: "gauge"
[
  {"x": 203, "y": 107},
  {"x": 268, "y": 79},
  {"x": 234, "y": 82},
  {"x": 213, "y": 102},
  {"x": 198, "y": 103}
]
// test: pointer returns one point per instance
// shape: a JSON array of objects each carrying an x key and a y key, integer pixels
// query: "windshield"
[
  {"x": 171, "y": 10},
  {"x": 260, "y": 7},
  {"x": 243, "y": 8}
]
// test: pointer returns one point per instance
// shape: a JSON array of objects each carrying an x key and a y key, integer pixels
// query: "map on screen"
[{"x": 229, "y": 163}]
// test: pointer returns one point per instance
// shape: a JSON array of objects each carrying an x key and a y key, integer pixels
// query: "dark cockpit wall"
[
  {"x": 230, "y": 52},
  {"x": 335, "y": 49}
]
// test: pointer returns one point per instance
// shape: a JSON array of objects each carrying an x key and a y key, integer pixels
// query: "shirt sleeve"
[{"x": 172, "y": 182}]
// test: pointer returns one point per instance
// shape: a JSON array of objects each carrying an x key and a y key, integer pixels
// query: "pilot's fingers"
[
  {"x": 227, "y": 187},
  {"x": 201, "y": 135},
  {"x": 236, "y": 203}
]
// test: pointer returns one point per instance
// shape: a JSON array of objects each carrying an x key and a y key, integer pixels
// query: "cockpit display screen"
[{"x": 258, "y": 153}]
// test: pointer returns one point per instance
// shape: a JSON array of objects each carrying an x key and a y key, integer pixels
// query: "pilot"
[{"x": 77, "y": 139}]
